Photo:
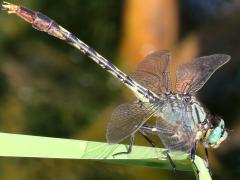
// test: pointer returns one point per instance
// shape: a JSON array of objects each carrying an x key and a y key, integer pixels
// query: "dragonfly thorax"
[{"x": 183, "y": 121}]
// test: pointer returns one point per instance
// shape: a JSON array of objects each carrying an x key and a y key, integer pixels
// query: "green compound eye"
[{"x": 216, "y": 133}]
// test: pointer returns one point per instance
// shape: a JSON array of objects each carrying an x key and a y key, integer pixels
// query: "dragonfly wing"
[
  {"x": 193, "y": 75},
  {"x": 154, "y": 72},
  {"x": 127, "y": 119},
  {"x": 175, "y": 137},
  {"x": 177, "y": 134}
]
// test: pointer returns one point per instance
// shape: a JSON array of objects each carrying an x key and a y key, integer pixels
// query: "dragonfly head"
[{"x": 217, "y": 134}]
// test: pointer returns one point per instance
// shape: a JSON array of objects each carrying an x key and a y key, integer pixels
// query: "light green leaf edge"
[{"x": 16, "y": 145}]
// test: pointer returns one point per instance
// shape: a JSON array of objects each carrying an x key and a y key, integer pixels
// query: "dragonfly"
[{"x": 181, "y": 120}]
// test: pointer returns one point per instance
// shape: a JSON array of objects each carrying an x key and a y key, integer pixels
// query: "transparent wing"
[
  {"x": 154, "y": 72},
  {"x": 127, "y": 119},
  {"x": 177, "y": 134},
  {"x": 175, "y": 137},
  {"x": 193, "y": 75}
]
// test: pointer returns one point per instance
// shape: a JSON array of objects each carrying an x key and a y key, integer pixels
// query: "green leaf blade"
[{"x": 16, "y": 145}]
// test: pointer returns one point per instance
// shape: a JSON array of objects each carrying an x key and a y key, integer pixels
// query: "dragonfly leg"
[
  {"x": 149, "y": 129},
  {"x": 206, "y": 156},
  {"x": 171, "y": 162},
  {"x": 193, "y": 153},
  {"x": 129, "y": 150},
  {"x": 142, "y": 132},
  {"x": 153, "y": 129}
]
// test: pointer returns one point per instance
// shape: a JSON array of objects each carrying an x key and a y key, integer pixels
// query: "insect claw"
[{"x": 174, "y": 171}]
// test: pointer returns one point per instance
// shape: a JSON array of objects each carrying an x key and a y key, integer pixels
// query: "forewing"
[
  {"x": 193, "y": 75},
  {"x": 154, "y": 72},
  {"x": 127, "y": 119}
]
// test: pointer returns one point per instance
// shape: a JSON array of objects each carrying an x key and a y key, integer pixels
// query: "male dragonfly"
[{"x": 181, "y": 121}]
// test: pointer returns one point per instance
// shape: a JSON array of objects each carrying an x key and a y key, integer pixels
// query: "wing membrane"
[
  {"x": 175, "y": 137},
  {"x": 153, "y": 72},
  {"x": 193, "y": 75},
  {"x": 177, "y": 130},
  {"x": 127, "y": 119}
]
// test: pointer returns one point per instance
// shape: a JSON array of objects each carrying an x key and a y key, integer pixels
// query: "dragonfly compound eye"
[{"x": 217, "y": 135}]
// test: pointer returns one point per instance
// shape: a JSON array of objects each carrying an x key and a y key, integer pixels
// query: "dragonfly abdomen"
[{"x": 43, "y": 23}]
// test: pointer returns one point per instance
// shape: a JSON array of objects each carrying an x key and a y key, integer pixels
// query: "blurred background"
[{"x": 48, "y": 88}]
